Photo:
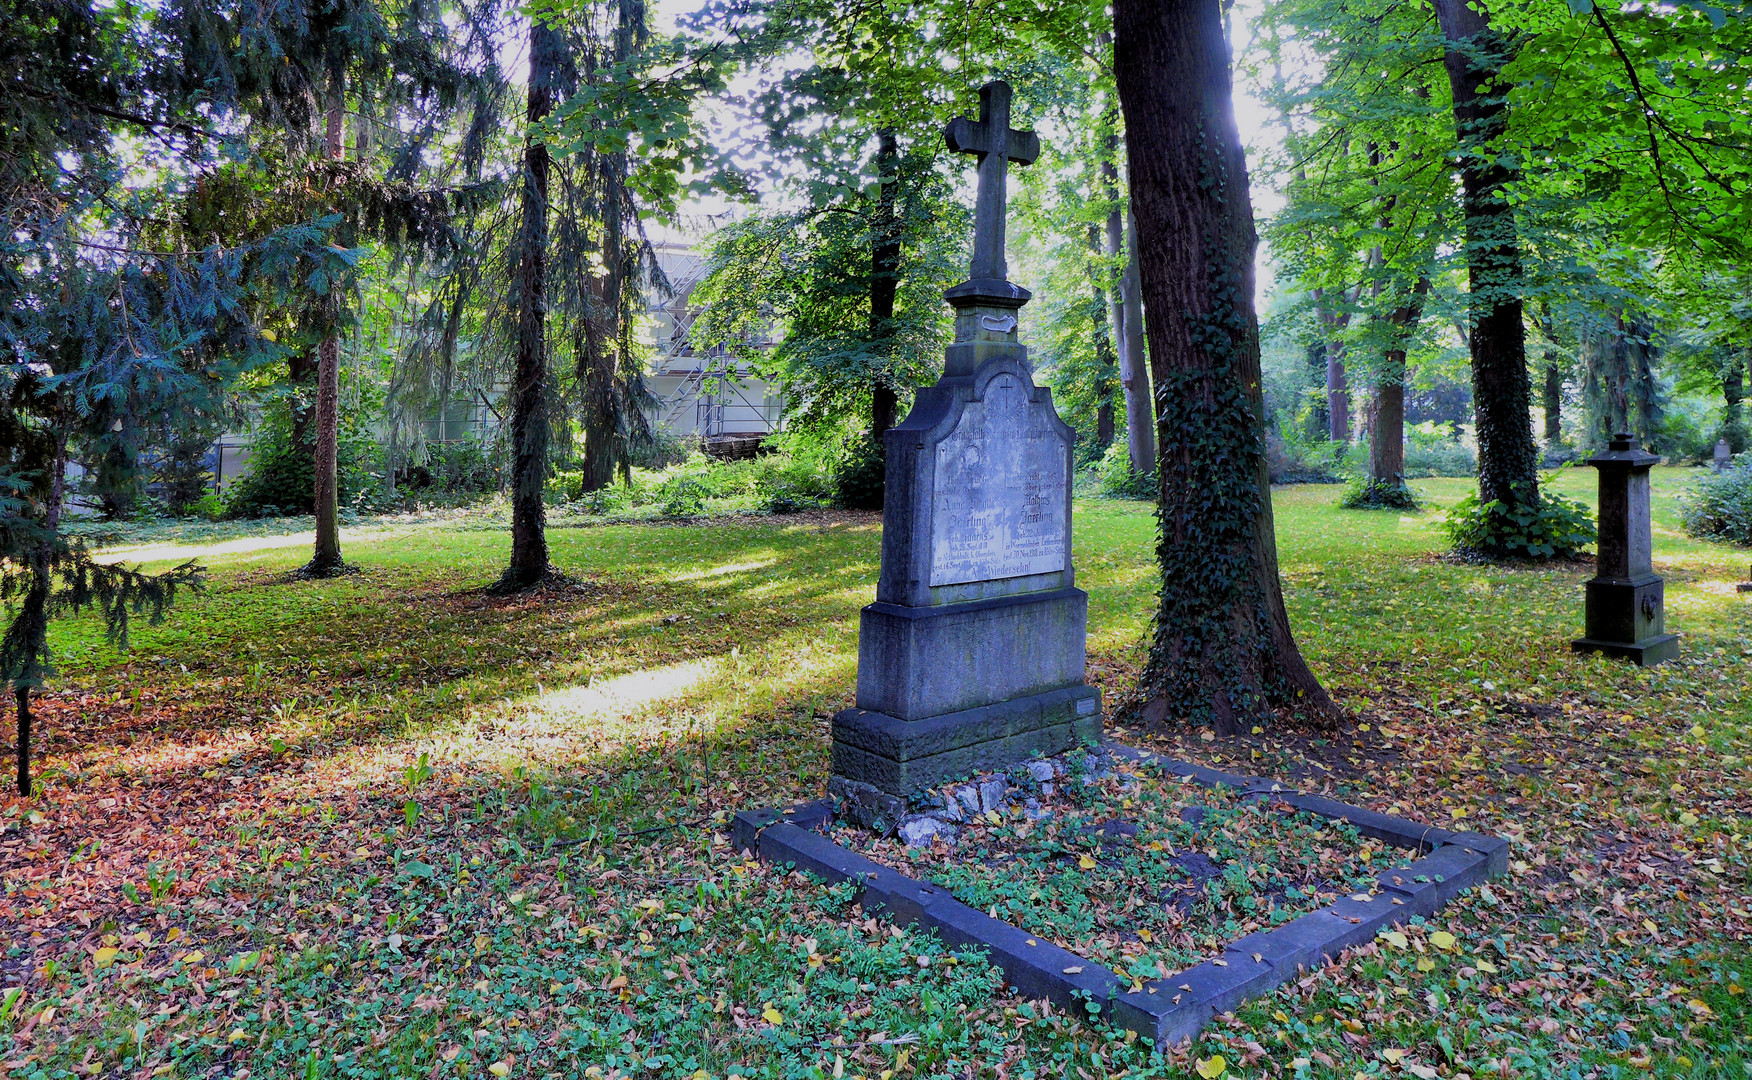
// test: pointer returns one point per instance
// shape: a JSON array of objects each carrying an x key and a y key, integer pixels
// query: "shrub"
[
  {"x": 1719, "y": 505},
  {"x": 1362, "y": 493},
  {"x": 282, "y": 476},
  {"x": 1552, "y": 528},
  {"x": 1431, "y": 450},
  {"x": 1119, "y": 480},
  {"x": 463, "y": 467},
  {"x": 684, "y": 496},
  {"x": 859, "y": 474},
  {"x": 1295, "y": 458}
]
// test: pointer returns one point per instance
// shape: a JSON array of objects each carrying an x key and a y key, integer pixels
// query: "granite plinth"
[
  {"x": 902, "y": 756},
  {"x": 1645, "y": 653},
  {"x": 916, "y": 662},
  {"x": 1625, "y": 611}
]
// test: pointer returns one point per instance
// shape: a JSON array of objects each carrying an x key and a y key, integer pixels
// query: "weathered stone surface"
[
  {"x": 1000, "y": 505},
  {"x": 920, "y": 661},
  {"x": 992, "y": 794},
  {"x": 917, "y": 773},
  {"x": 920, "y": 831},
  {"x": 865, "y": 804},
  {"x": 985, "y": 523}
]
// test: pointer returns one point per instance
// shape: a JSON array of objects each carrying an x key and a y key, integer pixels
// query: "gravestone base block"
[
  {"x": 918, "y": 662},
  {"x": 1624, "y": 618},
  {"x": 1646, "y": 653},
  {"x": 901, "y": 757}
]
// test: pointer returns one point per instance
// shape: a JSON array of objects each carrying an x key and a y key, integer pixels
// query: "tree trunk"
[
  {"x": 326, "y": 559},
  {"x": 1128, "y": 309},
  {"x": 1553, "y": 403},
  {"x": 1387, "y": 430},
  {"x": 1222, "y": 651},
  {"x": 1134, "y": 363},
  {"x": 1337, "y": 393},
  {"x": 22, "y": 696},
  {"x": 529, "y": 414},
  {"x": 1734, "y": 413},
  {"x": 1501, "y": 389},
  {"x": 604, "y": 378},
  {"x": 1106, "y": 370},
  {"x": 884, "y": 277}
]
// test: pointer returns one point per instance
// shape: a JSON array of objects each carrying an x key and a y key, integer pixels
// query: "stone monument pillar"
[
  {"x": 971, "y": 658},
  {"x": 1625, "y": 616}
]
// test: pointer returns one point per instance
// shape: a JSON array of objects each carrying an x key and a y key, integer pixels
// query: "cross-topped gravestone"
[
  {"x": 996, "y": 144},
  {"x": 971, "y": 658}
]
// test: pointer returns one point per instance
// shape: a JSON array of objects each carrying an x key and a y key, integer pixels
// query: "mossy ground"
[{"x": 386, "y": 825}]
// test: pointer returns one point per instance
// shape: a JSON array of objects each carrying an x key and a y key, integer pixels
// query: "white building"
[{"x": 711, "y": 395}]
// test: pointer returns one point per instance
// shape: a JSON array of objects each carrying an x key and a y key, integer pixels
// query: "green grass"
[{"x": 249, "y": 776}]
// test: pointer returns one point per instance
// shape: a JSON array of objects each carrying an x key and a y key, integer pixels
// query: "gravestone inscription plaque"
[
  {"x": 1000, "y": 495},
  {"x": 972, "y": 656}
]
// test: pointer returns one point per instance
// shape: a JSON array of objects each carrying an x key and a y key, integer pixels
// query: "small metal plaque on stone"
[{"x": 1001, "y": 496}]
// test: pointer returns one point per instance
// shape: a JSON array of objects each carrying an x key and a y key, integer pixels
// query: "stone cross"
[{"x": 997, "y": 144}]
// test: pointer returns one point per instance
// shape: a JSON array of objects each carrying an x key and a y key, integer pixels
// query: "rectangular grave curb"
[{"x": 1179, "y": 1005}]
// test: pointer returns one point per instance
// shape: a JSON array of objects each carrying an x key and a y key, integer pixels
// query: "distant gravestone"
[
  {"x": 1625, "y": 612},
  {"x": 1724, "y": 454},
  {"x": 972, "y": 656}
]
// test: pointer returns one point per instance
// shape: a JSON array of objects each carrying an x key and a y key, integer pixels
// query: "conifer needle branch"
[{"x": 118, "y": 114}]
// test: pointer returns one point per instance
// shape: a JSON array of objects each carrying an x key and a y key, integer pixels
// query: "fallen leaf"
[
  {"x": 1443, "y": 940},
  {"x": 1212, "y": 1067}
]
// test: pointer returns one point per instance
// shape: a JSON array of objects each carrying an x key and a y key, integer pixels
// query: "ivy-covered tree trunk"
[
  {"x": 1501, "y": 389},
  {"x": 884, "y": 273},
  {"x": 529, "y": 414},
  {"x": 1222, "y": 652},
  {"x": 326, "y": 559}
]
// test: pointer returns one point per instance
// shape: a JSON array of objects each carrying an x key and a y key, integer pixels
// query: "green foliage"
[
  {"x": 858, "y": 475},
  {"x": 804, "y": 279},
  {"x": 1551, "y": 527},
  {"x": 1119, "y": 480},
  {"x": 1295, "y": 457},
  {"x": 1364, "y": 493},
  {"x": 282, "y": 474},
  {"x": 458, "y": 467},
  {"x": 1431, "y": 450},
  {"x": 778, "y": 483},
  {"x": 1719, "y": 504}
]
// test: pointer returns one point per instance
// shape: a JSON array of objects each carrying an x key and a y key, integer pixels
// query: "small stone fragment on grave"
[
  {"x": 992, "y": 793},
  {"x": 920, "y": 831},
  {"x": 1041, "y": 771}
]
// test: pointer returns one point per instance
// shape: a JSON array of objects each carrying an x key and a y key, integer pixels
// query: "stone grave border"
[{"x": 1179, "y": 1005}]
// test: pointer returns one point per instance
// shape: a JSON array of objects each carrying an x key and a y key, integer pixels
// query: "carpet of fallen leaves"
[
  {"x": 388, "y": 826},
  {"x": 1144, "y": 873}
]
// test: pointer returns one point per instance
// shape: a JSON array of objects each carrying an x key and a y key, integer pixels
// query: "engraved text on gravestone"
[{"x": 999, "y": 501}]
